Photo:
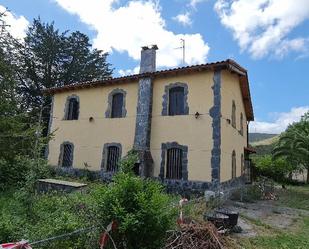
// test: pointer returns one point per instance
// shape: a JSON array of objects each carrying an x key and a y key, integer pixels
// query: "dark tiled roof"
[{"x": 229, "y": 64}]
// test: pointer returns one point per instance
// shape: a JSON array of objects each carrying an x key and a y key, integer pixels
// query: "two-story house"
[{"x": 188, "y": 124}]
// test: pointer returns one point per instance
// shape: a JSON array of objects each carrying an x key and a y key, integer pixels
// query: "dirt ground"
[{"x": 254, "y": 216}]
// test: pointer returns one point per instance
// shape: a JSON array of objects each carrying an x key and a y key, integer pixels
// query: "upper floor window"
[
  {"x": 174, "y": 163},
  {"x": 116, "y": 104},
  {"x": 233, "y": 164},
  {"x": 72, "y": 108},
  {"x": 233, "y": 118},
  {"x": 175, "y": 99},
  {"x": 241, "y": 124},
  {"x": 66, "y": 155}
]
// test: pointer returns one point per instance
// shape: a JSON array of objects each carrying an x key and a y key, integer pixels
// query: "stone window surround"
[
  {"x": 60, "y": 160},
  {"x": 108, "y": 113},
  {"x": 165, "y": 102},
  {"x": 66, "y": 107},
  {"x": 105, "y": 151},
  {"x": 170, "y": 145}
]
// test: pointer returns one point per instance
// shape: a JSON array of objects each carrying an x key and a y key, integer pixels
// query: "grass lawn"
[{"x": 295, "y": 197}]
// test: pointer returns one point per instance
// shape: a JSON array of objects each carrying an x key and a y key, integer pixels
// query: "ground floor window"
[
  {"x": 111, "y": 157},
  {"x": 233, "y": 164},
  {"x": 174, "y": 163},
  {"x": 66, "y": 155}
]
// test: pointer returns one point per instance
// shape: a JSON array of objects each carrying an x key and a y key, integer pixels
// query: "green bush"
[
  {"x": 140, "y": 208},
  {"x": 21, "y": 170},
  {"x": 277, "y": 169}
]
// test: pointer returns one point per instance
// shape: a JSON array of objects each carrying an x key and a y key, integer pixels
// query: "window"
[
  {"x": 117, "y": 104},
  {"x": 72, "y": 109},
  {"x": 233, "y": 164},
  {"x": 233, "y": 118},
  {"x": 176, "y": 101},
  {"x": 242, "y": 164},
  {"x": 241, "y": 131},
  {"x": 66, "y": 158},
  {"x": 174, "y": 163},
  {"x": 113, "y": 155}
]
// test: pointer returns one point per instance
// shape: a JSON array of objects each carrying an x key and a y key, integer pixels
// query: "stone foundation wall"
[{"x": 181, "y": 187}]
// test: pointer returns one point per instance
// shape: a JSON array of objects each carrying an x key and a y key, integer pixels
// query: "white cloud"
[
  {"x": 183, "y": 19},
  {"x": 129, "y": 27},
  {"x": 123, "y": 72},
  {"x": 193, "y": 3},
  {"x": 282, "y": 120},
  {"x": 262, "y": 27},
  {"x": 17, "y": 25}
]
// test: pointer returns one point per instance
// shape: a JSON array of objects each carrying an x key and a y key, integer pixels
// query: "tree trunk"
[{"x": 307, "y": 174}]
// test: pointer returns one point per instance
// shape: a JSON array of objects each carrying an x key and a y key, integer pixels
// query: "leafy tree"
[
  {"x": 277, "y": 169},
  {"x": 293, "y": 145},
  {"x": 50, "y": 58}
]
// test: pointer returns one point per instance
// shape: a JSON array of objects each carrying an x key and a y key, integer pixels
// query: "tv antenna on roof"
[{"x": 183, "y": 47}]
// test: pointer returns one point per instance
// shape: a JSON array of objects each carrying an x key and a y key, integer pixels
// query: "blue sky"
[{"x": 270, "y": 38}]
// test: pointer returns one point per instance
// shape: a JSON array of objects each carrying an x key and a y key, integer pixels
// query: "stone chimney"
[
  {"x": 148, "y": 59},
  {"x": 144, "y": 112}
]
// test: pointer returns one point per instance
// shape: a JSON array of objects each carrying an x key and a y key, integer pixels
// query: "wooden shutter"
[
  {"x": 112, "y": 158},
  {"x": 117, "y": 105},
  {"x": 176, "y": 101},
  {"x": 67, "y": 155},
  {"x": 174, "y": 164}
]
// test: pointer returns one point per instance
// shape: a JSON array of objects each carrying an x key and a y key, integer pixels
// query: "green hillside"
[{"x": 255, "y": 137}]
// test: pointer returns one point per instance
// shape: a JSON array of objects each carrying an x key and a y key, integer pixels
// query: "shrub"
[
  {"x": 140, "y": 208},
  {"x": 277, "y": 169},
  {"x": 21, "y": 170}
]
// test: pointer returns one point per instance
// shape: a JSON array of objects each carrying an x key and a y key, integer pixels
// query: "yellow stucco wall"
[
  {"x": 230, "y": 137},
  {"x": 185, "y": 129},
  {"x": 89, "y": 137}
]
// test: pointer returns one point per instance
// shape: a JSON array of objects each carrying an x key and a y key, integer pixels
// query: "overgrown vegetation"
[
  {"x": 140, "y": 208},
  {"x": 290, "y": 154}
]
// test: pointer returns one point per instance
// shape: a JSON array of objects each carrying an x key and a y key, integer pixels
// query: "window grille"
[
  {"x": 113, "y": 154},
  {"x": 67, "y": 155},
  {"x": 176, "y": 101},
  {"x": 174, "y": 163}
]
